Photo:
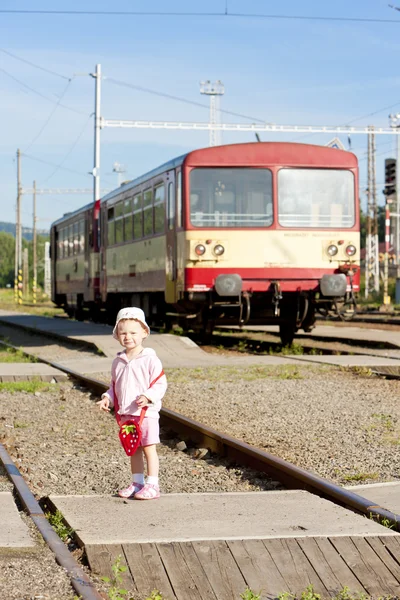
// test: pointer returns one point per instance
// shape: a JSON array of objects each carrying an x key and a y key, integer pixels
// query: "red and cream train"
[{"x": 256, "y": 233}]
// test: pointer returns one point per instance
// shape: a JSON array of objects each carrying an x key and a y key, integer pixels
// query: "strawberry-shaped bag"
[{"x": 130, "y": 432}]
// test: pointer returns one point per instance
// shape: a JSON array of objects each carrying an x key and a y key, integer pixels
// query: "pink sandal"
[
  {"x": 148, "y": 492},
  {"x": 132, "y": 489}
]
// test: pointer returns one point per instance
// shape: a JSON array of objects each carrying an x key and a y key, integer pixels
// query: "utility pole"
[
  {"x": 394, "y": 122},
  {"x": 25, "y": 270},
  {"x": 34, "y": 282},
  {"x": 18, "y": 237},
  {"x": 96, "y": 166},
  {"x": 214, "y": 90},
  {"x": 372, "y": 241}
]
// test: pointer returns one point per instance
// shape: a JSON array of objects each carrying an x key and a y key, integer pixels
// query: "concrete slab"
[
  {"x": 341, "y": 331},
  {"x": 173, "y": 351},
  {"x": 228, "y": 516},
  {"x": 27, "y": 371},
  {"x": 386, "y": 495},
  {"x": 13, "y": 531},
  {"x": 88, "y": 366},
  {"x": 351, "y": 360},
  {"x": 179, "y": 351}
]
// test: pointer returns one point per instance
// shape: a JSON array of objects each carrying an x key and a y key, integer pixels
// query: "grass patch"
[
  {"x": 360, "y": 476},
  {"x": 20, "y": 425},
  {"x": 237, "y": 373},
  {"x": 25, "y": 386},
  {"x": 344, "y": 594},
  {"x": 56, "y": 520},
  {"x": 9, "y": 355},
  {"x": 44, "y": 307}
]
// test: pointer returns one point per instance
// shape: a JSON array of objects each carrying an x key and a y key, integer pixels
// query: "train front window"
[
  {"x": 231, "y": 197},
  {"x": 322, "y": 198}
]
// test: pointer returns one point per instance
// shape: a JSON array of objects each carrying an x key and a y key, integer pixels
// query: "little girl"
[{"x": 137, "y": 379}]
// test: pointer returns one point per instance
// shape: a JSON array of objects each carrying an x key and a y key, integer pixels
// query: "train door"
[{"x": 171, "y": 251}]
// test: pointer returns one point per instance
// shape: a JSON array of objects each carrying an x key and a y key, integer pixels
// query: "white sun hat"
[{"x": 131, "y": 312}]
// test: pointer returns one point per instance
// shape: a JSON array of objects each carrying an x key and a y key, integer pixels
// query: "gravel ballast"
[{"x": 342, "y": 424}]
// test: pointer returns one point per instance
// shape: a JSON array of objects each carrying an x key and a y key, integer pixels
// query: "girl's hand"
[
  {"x": 104, "y": 404},
  {"x": 142, "y": 401}
]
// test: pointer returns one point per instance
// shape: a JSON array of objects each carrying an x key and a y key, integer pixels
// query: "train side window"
[
  {"x": 119, "y": 223},
  {"x": 76, "y": 238},
  {"x": 110, "y": 227},
  {"x": 128, "y": 228},
  {"x": 65, "y": 242},
  {"x": 70, "y": 240},
  {"x": 137, "y": 217},
  {"x": 179, "y": 200},
  {"x": 60, "y": 251},
  {"x": 81, "y": 236},
  {"x": 148, "y": 212},
  {"x": 171, "y": 206},
  {"x": 159, "y": 209}
]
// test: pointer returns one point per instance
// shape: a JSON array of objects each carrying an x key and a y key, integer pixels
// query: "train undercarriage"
[{"x": 228, "y": 304}]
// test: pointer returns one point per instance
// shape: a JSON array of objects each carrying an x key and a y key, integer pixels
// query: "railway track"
[
  {"x": 241, "y": 453},
  {"x": 237, "y": 451}
]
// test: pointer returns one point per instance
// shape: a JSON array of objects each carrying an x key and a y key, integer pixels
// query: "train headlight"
[
  {"x": 200, "y": 249},
  {"x": 351, "y": 250},
  {"x": 219, "y": 250},
  {"x": 332, "y": 250}
]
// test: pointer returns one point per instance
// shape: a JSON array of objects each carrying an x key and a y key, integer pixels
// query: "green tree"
[{"x": 7, "y": 258}]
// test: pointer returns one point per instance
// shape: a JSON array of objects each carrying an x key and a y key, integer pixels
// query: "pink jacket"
[{"x": 142, "y": 375}]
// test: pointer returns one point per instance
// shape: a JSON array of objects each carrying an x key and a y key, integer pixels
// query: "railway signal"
[{"x": 390, "y": 179}]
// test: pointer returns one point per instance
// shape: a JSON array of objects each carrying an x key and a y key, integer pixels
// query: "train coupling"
[{"x": 277, "y": 297}]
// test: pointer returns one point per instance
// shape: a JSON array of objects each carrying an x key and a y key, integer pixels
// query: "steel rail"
[
  {"x": 242, "y": 453},
  {"x": 79, "y": 580}
]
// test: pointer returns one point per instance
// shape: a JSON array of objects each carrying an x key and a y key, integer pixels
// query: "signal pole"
[
  {"x": 372, "y": 245},
  {"x": 394, "y": 122},
  {"x": 34, "y": 246},
  {"x": 18, "y": 237},
  {"x": 96, "y": 166}
]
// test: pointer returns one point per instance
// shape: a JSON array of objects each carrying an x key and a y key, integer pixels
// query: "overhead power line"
[
  {"x": 31, "y": 89},
  {"x": 49, "y": 117},
  {"x": 196, "y": 14},
  {"x": 53, "y": 165},
  {"x": 28, "y": 62},
  {"x": 59, "y": 166},
  {"x": 178, "y": 98}
]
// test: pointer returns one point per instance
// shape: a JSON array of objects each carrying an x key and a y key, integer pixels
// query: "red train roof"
[{"x": 271, "y": 153}]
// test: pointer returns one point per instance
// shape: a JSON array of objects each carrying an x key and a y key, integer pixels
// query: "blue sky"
[{"x": 285, "y": 71}]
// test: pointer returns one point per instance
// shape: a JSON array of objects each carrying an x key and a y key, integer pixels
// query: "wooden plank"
[
  {"x": 384, "y": 554},
  {"x": 320, "y": 564},
  {"x": 185, "y": 571},
  {"x": 383, "y": 577},
  {"x": 147, "y": 569},
  {"x": 392, "y": 543},
  {"x": 361, "y": 569},
  {"x": 257, "y": 567},
  {"x": 342, "y": 572},
  {"x": 222, "y": 571},
  {"x": 291, "y": 561},
  {"x": 101, "y": 557},
  {"x": 6, "y": 378}
]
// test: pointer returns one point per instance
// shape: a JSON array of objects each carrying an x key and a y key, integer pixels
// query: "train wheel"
[{"x": 286, "y": 333}]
